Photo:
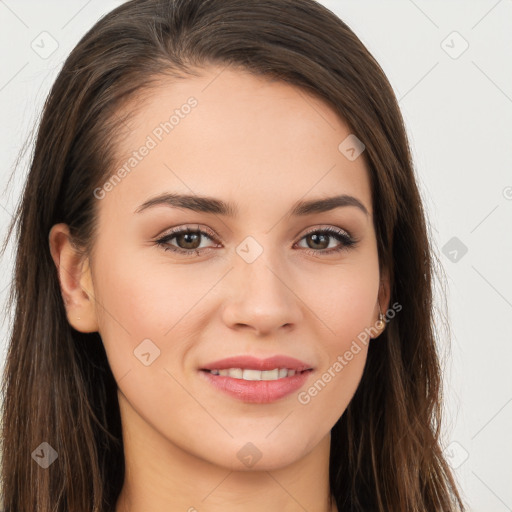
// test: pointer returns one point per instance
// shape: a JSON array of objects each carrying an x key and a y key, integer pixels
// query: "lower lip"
[{"x": 257, "y": 391}]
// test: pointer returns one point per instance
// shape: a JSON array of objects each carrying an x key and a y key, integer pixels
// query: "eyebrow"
[{"x": 219, "y": 207}]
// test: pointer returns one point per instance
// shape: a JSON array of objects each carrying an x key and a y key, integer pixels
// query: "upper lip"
[{"x": 253, "y": 363}]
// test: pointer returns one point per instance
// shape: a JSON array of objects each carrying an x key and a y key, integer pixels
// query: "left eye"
[{"x": 189, "y": 241}]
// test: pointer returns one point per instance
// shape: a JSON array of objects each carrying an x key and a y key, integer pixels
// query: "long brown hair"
[{"x": 57, "y": 384}]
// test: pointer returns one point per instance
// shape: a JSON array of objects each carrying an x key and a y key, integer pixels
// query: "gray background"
[{"x": 457, "y": 104}]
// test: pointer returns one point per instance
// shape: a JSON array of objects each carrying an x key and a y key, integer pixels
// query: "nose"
[{"x": 261, "y": 298}]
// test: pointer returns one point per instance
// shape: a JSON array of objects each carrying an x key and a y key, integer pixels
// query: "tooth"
[
  {"x": 270, "y": 374},
  {"x": 235, "y": 373},
  {"x": 251, "y": 375}
]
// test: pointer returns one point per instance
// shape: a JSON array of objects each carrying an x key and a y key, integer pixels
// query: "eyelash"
[{"x": 340, "y": 235}]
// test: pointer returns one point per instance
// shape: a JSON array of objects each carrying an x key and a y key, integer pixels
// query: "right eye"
[{"x": 188, "y": 238}]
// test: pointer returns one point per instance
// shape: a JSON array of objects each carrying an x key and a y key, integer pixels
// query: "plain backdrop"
[{"x": 451, "y": 68}]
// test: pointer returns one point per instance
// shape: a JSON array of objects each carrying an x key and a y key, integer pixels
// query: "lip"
[
  {"x": 253, "y": 363},
  {"x": 264, "y": 391},
  {"x": 257, "y": 391}
]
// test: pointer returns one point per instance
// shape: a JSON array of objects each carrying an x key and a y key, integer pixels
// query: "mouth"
[{"x": 252, "y": 380}]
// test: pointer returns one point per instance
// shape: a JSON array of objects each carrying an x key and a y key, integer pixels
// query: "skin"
[{"x": 253, "y": 142}]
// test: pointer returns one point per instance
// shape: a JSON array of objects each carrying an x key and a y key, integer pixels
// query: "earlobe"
[{"x": 75, "y": 280}]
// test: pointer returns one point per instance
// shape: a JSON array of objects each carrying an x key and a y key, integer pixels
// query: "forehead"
[{"x": 230, "y": 134}]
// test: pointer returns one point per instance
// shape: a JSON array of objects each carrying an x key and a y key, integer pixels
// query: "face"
[{"x": 255, "y": 276}]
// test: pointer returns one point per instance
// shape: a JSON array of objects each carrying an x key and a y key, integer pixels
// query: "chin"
[{"x": 261, "y": 454}]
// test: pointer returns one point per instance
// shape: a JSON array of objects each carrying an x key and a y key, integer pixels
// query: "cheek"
[
  {"x": 139, "y": 300},
  {"x": 351, "y": 312},
  {"x": 346, "y": 313},
  {"x": 344, "y": 300},
  {"x": 328, "y": 395},
  {"x": 129, "y": 306},
  {"x": 346, "y": 307},
  {"x": 142, "y": 295}
]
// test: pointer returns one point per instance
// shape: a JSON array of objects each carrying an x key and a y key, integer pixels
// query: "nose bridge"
[{"x": 263, "y": 279}]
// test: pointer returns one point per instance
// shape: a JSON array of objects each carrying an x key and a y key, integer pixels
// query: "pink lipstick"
[{"x": 256, "y": 380}]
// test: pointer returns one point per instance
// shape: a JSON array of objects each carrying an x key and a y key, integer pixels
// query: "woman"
[{"x": 223, "y": 288}]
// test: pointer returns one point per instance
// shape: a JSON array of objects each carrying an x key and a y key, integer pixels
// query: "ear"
[
  {"x": 384, "y": 291},
  {"x": 75, "y": 280},
  {"x": 384, "y": 297}
]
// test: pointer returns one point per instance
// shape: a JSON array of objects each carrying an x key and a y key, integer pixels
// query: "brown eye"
[
  {"x": 318, "y": 241},
  {"x": 186, "y": 241}
]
